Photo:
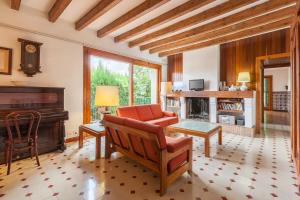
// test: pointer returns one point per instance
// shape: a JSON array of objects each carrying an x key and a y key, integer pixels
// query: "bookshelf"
[
  {"x": 231, "y": 111},
  {"x": 173, "y": 105}
]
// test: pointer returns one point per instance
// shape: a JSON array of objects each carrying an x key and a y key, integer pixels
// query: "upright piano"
[{"x": 49, "y": 101}]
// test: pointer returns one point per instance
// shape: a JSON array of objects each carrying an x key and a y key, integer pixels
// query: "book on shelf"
[
  {"x": 230, "y": 106},
  {"x": 173, "y": 103}
]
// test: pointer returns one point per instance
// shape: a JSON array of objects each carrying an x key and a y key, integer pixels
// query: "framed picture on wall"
[{"x": 5, "y": 61}]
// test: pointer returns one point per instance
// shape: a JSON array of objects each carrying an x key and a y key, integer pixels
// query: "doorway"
[
  {"x": 277, "y": 97},
  {"x": 273, "y": 92}
]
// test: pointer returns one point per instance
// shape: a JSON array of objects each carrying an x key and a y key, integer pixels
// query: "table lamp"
[
  {"x": 106, "y": 96},
  {"x": 244, "y": 77}
]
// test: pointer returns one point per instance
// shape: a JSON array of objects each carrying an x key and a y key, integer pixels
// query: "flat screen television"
[{"x": 196, "y": 85}]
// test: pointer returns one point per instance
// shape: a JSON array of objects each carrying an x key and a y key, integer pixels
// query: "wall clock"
[{"x": 30, "y": 57}]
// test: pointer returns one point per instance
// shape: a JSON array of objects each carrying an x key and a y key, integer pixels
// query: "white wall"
[
  {"x": 203, "y": 63},
  {"x": 61, "y": 66},
  {"x": 61, "y": 54},
  {"x": 281, "y": 78}
]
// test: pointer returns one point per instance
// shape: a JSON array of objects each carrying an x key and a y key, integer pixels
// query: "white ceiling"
[{"x": 78, "y": 8}]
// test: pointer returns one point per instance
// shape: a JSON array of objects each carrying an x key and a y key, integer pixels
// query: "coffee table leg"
[
  {"x": 80, "y": 143},
  {"x": 220, "y": 136},
  {"x": 98, "y": 147},
  {"x": 206, "y": 147}
]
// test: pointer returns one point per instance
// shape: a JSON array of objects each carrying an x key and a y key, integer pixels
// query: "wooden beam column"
[
  {"x": 57, "y": 9},
  {"x": 251, "y": 23},
  {"x": 101, "y": 8},
  {"x": 196, "y": 19},
  {"x": 163, "y": 18},
  {"x": 15, "y": 4},
  {"x": 223, "y": 22},
  {"x": 130, "y": 16},
  {"x": 284, "y": 23}
]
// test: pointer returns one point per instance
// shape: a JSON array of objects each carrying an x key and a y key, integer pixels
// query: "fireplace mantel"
[
  {"x": 247, "y": 97},
  {"x": 216, "y": 94}
]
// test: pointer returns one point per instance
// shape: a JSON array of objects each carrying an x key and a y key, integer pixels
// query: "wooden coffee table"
[
  {"x": 96, "y": 130},
  {"x": 197, "y": 128}
]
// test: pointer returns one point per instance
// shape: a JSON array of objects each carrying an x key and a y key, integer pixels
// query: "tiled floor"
[
  {"x": 242, "y": 168},
  {"x": 277, "y": 117},
  {"x": 277, "y": 120}
]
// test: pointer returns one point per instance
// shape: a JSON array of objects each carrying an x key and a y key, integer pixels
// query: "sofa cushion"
[
  {"x": 144, "y": 112},
  {"x": 174, "y": 144},
  {"x": 151, "y": 128},
  {"x": 176, "y": 162},
  {"x": 164, "y": 122},
  {"x": 128, "y": 111},
  {"x": 156, "y": 111},
  {"x": 169, "y": 114}
]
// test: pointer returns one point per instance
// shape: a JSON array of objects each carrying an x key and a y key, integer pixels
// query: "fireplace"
[{"x": 197, "y": 108}]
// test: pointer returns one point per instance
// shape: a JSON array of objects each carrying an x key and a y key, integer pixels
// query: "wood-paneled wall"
[
  {"x": 239, "y": 56},
  {"x": 175, "y": 67},
  {"x": 295, "y": 61}
]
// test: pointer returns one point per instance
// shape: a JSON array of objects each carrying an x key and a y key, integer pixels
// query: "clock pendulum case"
[{"x": 30, "y": 57}]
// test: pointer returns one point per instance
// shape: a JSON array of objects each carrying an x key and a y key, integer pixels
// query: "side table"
[{"x": 96, "y": 130}]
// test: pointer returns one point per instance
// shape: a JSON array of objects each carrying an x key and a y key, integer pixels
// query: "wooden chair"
[
  {"x": 22, "y": 128},
  {"x": 147, "y": 144}
]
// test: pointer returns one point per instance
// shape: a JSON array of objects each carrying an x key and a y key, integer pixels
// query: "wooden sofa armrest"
[
  {"x": 169, "y": 114},
  {"x": 173, "y": 144},
  {"x": 176, "y": 146}
]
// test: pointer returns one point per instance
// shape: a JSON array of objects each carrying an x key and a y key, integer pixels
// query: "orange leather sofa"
[
  {"x": 147, "y": 144},
  {"x": 151, "y": 113}
]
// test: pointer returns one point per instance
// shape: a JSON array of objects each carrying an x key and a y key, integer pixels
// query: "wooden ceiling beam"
[
  {"x": 101, "y": 8},
  {"x": 57, "y": 9},
  {"x": 163, "y": 18},
  {"x": 250, "y": 23},
  {"x": 130, "y": 16},
  {"x": 196, "y": 19},
  {"x": 284, "y": 23},
  {"x": 226, "y": 21},
  {"x": 15, "y": 4}
]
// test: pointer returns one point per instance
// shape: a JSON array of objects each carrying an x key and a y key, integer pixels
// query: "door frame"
[
  {"x": 270, "y": 106},
  {"x": 259, "y": 74},
  {"x": 295, "y": 74}
]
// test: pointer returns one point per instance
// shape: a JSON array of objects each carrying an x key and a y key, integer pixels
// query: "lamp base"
[
  {"x": 244, "y": 87},
  {"x": 102, "y": 111}
]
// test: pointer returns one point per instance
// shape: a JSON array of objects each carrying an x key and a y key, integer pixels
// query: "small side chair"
[{"x": 22, "y": 134}]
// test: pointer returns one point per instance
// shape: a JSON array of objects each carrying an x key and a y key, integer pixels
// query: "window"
[
  {"x": 138, "y": 81},
  {"x": 109, "y": 72},
  {"x": 144, "y": 85}
]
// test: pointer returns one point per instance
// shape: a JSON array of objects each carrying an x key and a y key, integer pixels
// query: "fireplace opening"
[{"x": 198, "y": 108}]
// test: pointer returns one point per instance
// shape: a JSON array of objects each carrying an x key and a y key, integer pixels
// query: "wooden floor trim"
[{"x": 72, "y": 139}]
